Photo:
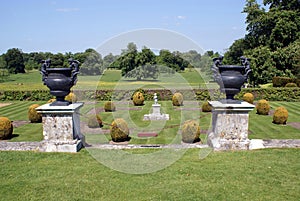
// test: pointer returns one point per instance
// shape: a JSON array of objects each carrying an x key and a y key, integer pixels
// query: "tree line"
[
  {"x": 272, "y": 41},
  {"x": 133, "y": 63}
]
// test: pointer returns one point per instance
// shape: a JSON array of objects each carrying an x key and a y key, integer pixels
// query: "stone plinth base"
[
  {"x": 61, "y": 128},
  {"x": 230, "y": 126},
  {"x": 156, "y": 115}
]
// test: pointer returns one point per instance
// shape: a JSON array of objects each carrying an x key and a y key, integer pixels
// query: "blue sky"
[{"x": 75, "y": 25}]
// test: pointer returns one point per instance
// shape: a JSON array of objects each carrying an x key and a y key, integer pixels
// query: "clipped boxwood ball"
[
  {"x": 119, "y": 131},
  {"x": 291, "y": 85},
  {"x": 109, "y": 106},
  {"x": 190, "y": 131},
  {"x": 6, "y": 128},
  {"x": 177, "y": 99},
  {"x": 94, "y": 121},
  {"x": 280, "y": 115},
  {"x": 33, "y": 115},
  {"x": 71, "y": 97},
  {"x": 206, "y": 107},
  {"x": 263, "y": 107},
  {"x": 248, "y": 97},
  {"x": 138, "y": 98}
]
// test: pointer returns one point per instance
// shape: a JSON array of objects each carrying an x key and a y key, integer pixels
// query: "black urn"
[
  {"x": 60, "y": 80},
  {"x": 231, "y": 78}
]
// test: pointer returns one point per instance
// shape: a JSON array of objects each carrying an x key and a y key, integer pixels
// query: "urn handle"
[
  {"x": 74, "y": 65},
  {"x": 246, "y": 62},
  {"x": 45, "y": 64}
]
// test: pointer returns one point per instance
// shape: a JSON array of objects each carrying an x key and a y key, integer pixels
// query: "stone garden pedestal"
[
  {"x": 230, "y": 126},
  {"x": 61, "y": 128},
  {"x": 156, "y": 115}
]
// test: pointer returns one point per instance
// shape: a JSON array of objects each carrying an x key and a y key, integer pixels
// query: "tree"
[
  {"x": 91, "y": 62},
  {"x": 14, "y": 61},
  {"x": 272, "y": 40}
]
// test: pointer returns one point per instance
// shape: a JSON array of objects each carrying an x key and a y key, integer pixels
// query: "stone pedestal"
[
  {"x": 229, "y": 126},
  {"x": 61, "y": 128},
  {"x": 156, "y": 115}
]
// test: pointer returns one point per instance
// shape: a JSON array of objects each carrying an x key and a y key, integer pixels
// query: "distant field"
[{"x": 110, "y": 79}]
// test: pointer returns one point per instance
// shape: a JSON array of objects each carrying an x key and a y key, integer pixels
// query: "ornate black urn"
[
  {"x": 230, "y": 77},
  {"x": 60, "y": 80}
]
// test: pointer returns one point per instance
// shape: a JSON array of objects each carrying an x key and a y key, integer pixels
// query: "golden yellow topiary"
[
  {"x": 206, "y": 107},
  {"x": 248, "y": 97},
  {"x": 109, "y": 106},
  {"x": 190, "y": 131},
  {"x": 94, "y": 121},
  {"x": 138, "y": 98},
  {"x": 6, "y": 128},
  {"x": 119, "y": 131},
  {"x": 33, "y": 115},
  {"x": 51, "y": 100},
  {"x": 177, "y": 99},
  {"x": 71, "y": 97},
  {"x": 263, "y": 107},
  {"x": 280, "y": 115}
]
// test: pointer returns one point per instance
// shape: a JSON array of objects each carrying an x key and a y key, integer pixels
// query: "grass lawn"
[
  {"x": 110, "y": 79},
  {"x": 271, "y": 174},
  {"x": 260, "y": 127}
]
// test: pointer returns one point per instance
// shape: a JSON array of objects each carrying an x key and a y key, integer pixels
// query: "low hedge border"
[{"x": 270, "y": 94}]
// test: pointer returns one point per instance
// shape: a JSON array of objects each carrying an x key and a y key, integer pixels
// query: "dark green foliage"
[{"x": 14, "y": 61}]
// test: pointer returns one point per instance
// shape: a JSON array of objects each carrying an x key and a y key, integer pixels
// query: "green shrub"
[
  {"x": 263, "y": 107},
  {"x": 291, "y": 84},
  {"x": 94, "y": 121},
  {"x": 71, "y": 97},
  {"x": 190, "y": 131},
  {"x": 33, "y": 115},
  {"x": 206, "y": 107},
  {"x": 177, "y": 99},
  {"x": 248, "y": 97},
  {"x": 109, "y": 106},
  {"x": 6, "y": 128},
  {"x": 282, "y": 81},
  {"x": 138, "y": 98},
  {"x": 119, "y": 131},
  {"x": 280, "y": 115}
]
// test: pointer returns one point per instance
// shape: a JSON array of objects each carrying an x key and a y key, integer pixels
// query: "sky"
[{"x": 75, "y": 25}]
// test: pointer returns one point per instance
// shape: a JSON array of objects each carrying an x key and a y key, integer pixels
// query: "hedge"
[
  {"x": 270, "y": 94},
  {"x": 282, "y": 81}
]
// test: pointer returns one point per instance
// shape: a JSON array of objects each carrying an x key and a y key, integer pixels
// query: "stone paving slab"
[{"x": 254, "y": 144}]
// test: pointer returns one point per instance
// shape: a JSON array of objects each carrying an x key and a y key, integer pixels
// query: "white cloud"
[
  {"x": 67, "y": 9},
  {"x": 181, "y": 17}
]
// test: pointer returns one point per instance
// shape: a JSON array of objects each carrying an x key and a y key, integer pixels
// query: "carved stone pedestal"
[
  {"x": 61, "y": 128},
  {"x": 229, "y": 126}
]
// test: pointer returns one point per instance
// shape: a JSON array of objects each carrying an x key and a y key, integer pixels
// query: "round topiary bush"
[
  {"x": 33, "y": 116},
  {"x": 94, "y": 121},
  {"x": 109, "y": 106},
  {"x": 263, "y": 107},
  {"x": 190, "y": 131},
  {"x": 291, "y": 85},
  {"x": 51, "y": 100},
  {"x": 138, "y": 98},
  {"x": 6, "y": 128},
  {"x": 280, "y": 115},
  {"x": 177, "y": 99},
  {"x": 119, "y": 131},
  {"x": 206, "y": 107},
  {"x": 248, "y": 97},
  {"x": 71, "y": 97}
]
